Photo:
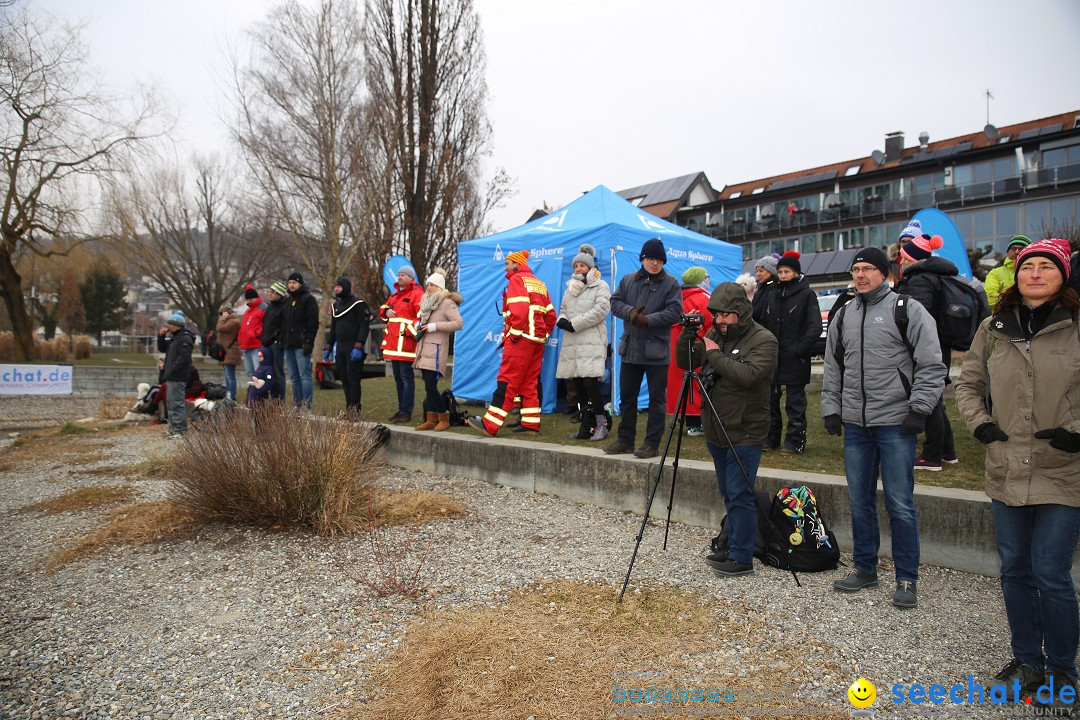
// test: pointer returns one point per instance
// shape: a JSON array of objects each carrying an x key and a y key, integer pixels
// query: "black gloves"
[
  {"x": 834, "y": 425},
  {"x": 1060, "y": 439},
  {"x": 565, "y": 324},
  {"x": 989, "y": 432},
  {"x": 637, "y": 317},
  {"x": 309, "y": 347},
  {"x": 913, "y": 424}
]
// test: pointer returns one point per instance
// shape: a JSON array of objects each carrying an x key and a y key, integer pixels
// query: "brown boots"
[{"x": 435, "y": 421}]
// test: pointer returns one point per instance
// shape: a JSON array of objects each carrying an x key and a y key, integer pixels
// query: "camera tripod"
[{"x": 691, "y": 379}]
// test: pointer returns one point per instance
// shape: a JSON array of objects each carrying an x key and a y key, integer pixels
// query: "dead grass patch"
[
  {"x": 559, "y": 651},
  {"x": 413, "y": 507},
  {"x": 135, "y": 524},
  {"x": 83, "y": 499},
  {"x": 40, "y": 447},
  {"x": 114, "y": 408}
]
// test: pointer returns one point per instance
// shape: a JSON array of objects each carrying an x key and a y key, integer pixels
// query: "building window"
[
  {"x": 828, "y": 242},
  {"x": 1005, "y": 226},
  {"x": 1036, "y": 215},
  {"x": 748, "y": 252},
  {"x": 856, "y": 238},
  {"x": 808, "y": 244},
  {"x": 1062, "y": 212},
  {"x": 853, "y": 170}
]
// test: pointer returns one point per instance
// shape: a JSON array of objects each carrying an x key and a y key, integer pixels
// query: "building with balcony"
[{"x": 995, "y": 183}]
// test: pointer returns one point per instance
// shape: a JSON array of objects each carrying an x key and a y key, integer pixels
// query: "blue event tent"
[{"x": 601, "y": 218}]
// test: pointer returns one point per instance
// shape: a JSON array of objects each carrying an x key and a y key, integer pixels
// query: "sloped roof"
[
  {"x": 663, "y": 191},
  {"x": 935, "y": 150}
]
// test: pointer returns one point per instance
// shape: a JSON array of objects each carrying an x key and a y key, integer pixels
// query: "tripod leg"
[{"x": 680, "y": 420}]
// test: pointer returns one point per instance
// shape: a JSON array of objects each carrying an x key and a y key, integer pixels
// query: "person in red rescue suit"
[
  {"x": 400, "y": 312},
  {"x": 695, "y": 299},
  {"x": 529, "y": 319}
]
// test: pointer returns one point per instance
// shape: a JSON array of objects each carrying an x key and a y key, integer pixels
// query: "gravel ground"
[{"x": 228, "y": 622}]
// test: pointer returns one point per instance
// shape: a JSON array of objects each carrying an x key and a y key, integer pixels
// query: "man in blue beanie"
[
  {"x": 649, "y": 302},
  {"x": 177, "y": 342}
]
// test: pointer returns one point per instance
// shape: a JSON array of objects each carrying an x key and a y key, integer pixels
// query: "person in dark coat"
[
  {"x": 300, "y": 325},
  {"x": 765, "y": 271},
  {"x": 349, "y": 328},
  {"x": 262, "y": 379},
  {"x": 791, "y": 313},
  {"x": 273, "y": 318},
  {"x": 177, "y": 342},
  {"x": 649, "y": 301}
]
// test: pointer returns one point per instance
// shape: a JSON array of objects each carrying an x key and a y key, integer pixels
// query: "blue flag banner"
[{"x": 935, "y": 222}]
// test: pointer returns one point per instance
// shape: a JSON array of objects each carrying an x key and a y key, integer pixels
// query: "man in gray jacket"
[
  {"x": 649, "y": 301},
  {"x": 883, "y": 377}
]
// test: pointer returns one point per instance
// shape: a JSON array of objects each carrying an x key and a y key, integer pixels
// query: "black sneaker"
[
  {"x": 856, "y": 581},
  {"x": 732, "y": 568},
  {"x": 905, "y": 597},
  {"x": 646, "y": 451},
  {"x": 717, "y": 558},
  {"x": 523, "y": 429},
  {"x": 1058, "y": 706},
  {"x": 1031, "y": 679},
  {"x": 793, "y": 449}
]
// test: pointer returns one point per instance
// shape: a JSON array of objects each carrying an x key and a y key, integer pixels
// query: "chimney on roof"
[
  {"x": 924, "y": 140},
  {"x": 894, "y": 146}
]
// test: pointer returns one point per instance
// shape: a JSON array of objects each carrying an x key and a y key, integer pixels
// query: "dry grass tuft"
[
  {"x": 278, "y": 468},
  {"x": 81, "y": 347},
  {"x": 48, "y": 446},
  {"x": 413, "y": 507},
  {"x": 114, "y": 408},
  {"x": 558, "y": 652},
  {"x": 83, "y": 499},
  {"x": 136, "y": 524}
]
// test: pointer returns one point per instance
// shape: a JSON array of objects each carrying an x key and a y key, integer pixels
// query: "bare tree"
[
  {"x": 70, "y": 312},
  {"x": 60, "y": 140},
  {"x": 192, "y": 240},
  {"x": 425, "y": 74},
  {"x": 300, "y": 106}
]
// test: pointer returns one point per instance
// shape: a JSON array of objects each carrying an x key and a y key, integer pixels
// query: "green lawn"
[{"x": 824, "y": 453}]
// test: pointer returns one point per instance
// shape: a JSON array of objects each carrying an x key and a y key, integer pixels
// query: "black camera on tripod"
[{"x": 691, "y": 320}]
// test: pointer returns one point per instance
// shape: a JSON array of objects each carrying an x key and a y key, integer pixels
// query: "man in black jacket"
[
  {"x": 300, "y": 325},
  {"x": 177, "y": 342},
  {"x": 273, "y": 319},
  {"x": 791, "y": 313},
  {"x": 349, "y": 330}
]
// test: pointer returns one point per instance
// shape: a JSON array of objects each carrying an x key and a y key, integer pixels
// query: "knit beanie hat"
[
  {"x": 1022, "y": 240},
  {"x": 177, "y": 318},
  {"x": 654, "y": 249},
  {"x": 1056, "y": 249},
  {"x": 279, "y": 288},
  {"x": 874, "y": 256},
  {"x": 694, "y": 276},
  {"x": 408, "y": 270},
  {"x": 586, "y": 254},
  {"x": 913, "y": 230},
  {"x": 921, "y": 247},
  {"x": 437, "y": 280},
  {"x": 521, "y": 257},
  {"x": 297, "y": 277},
  {"x": 768, "y": 262},
  {"x": 250, "y": 293},
  {"x": 790, "y": 260}
]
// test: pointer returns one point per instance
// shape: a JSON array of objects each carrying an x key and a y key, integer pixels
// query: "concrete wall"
[
  {"x": 95, "y": 381},
  {"x": 956, "y": 528}
]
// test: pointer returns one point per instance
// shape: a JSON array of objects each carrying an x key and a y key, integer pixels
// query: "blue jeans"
[
  {"x": 251, "y": 361},
  {"x": 230, "y": 380},
  {"x": 1036, "y": 545},
  {"x": 738, "y": 496},
  {"x": 406, "y": 385},
  {"x": 299, "y": 366},
  {"x": 869, "y": 451}
]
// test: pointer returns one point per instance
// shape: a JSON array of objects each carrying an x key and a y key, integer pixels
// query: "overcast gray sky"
[{"x": 624, "y": 93}]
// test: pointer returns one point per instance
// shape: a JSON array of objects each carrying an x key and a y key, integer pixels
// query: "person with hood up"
[
  {"x": 439, "y": 317},
  {"x": 271, "y": 332},
  {"x": 251, "y": 322},
  {"x": 695, "y": 300},
  {"x": 528, "y": 321},
  {"x": 741, "y": 356},
  {"x": 228, "y": 331},
  {"x": 400, "y": 312},
  {"x": 1003, "y": 277},
  {"x": 649, "y": 302},
  {"x": 583, "y": 316},
  {"x": 177, "y": 342},
  {"x": 349, "y": 328},
  {"x": 261, "y": 381},
  {"x": 791, "y": 313},
  {"x": 300, "y": 326}
]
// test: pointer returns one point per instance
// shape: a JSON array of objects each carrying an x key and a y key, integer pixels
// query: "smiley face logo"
[{"x": 862, "y": 693}]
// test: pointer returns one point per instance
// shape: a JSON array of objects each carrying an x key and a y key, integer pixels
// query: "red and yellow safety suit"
[
  {"x": 528, "y": 320},
  {"x": 399, "y": 341}
]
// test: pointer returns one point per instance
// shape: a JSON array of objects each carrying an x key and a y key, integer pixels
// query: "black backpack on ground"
[
  {"x": 214, "y": 391},
  {"x": 457, "y": 416},
  {"x": 961, "y": 306},
  {"x": 790, "y": 532}
]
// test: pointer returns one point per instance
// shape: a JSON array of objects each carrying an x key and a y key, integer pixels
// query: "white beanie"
[{"x": 437, "y": 279}]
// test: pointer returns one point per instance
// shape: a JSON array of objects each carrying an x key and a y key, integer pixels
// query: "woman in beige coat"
[
  {"x": 438, "y": 318},
  {"x": 1019, "y": 393},
  {"x": 228, "y": 330}
]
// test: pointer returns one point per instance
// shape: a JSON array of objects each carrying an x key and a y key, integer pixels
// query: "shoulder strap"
[{"x": 900, "y": 317}]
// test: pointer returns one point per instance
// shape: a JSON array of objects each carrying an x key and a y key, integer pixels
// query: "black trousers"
[
  {"x": 630, "y": 376},
  {"x": 939, "y": 436},
  {"x": 433, "y": 400},
  {"x": 350, "y": 373},
  {"x": 796, "y": 415}
]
